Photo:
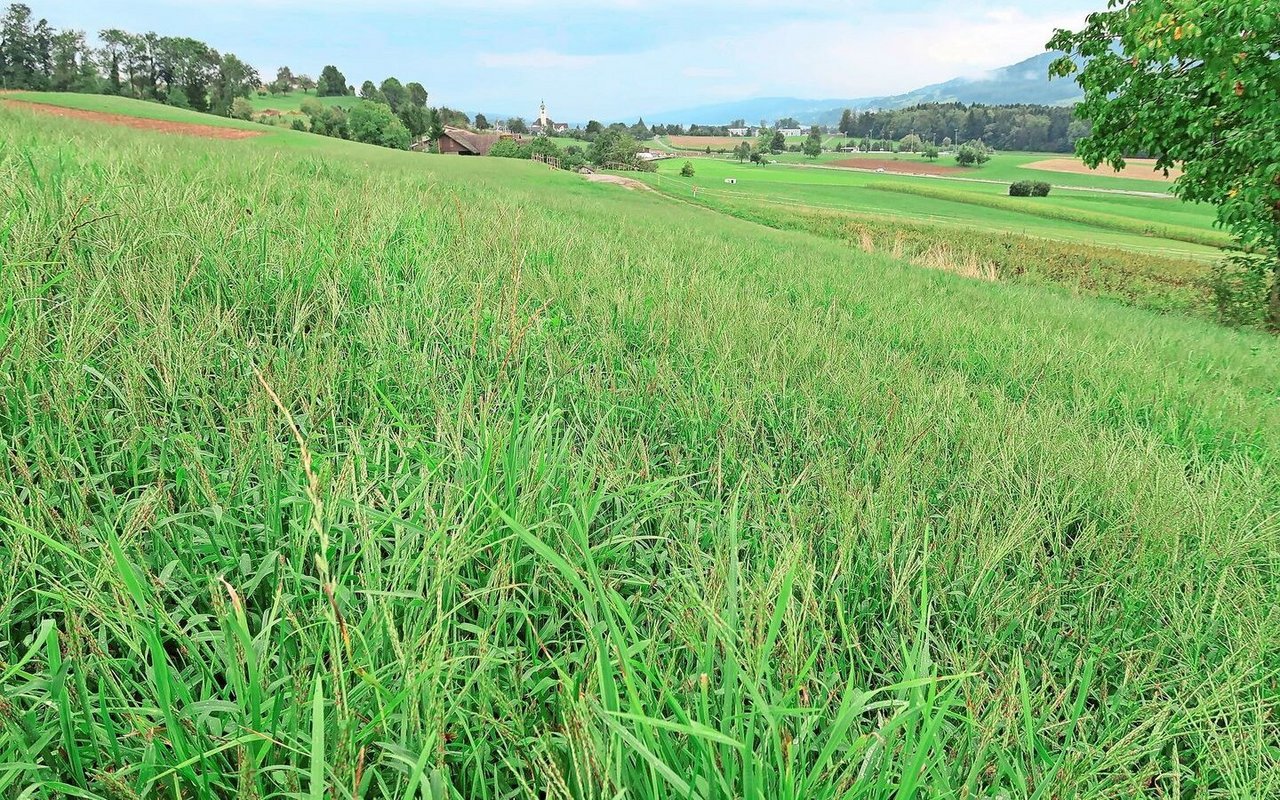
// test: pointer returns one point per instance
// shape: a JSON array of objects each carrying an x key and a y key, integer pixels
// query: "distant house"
[
  {"x": 458, "y": 141},
  {"x": 739, "y": 131},
  {"x": 794, "y": 131}
]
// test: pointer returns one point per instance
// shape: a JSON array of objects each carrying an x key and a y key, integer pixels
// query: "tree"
[
  {"x": 332, "y": 83},
  {"x": 394, "y": 93},
  {"x": 813, "y": 145},
  {"x": 416, "y": 118},
  {"x": 931, "y": 152},
  {"x": 910, "y": 143},
  {"x": 743, "y": 151},
  {"x": 417, "y": 93},
  {"x": 778, "y": 142},
  {"x": 370, "y": 92},
  {"x": 373, "y": 123},
  {"x": 1194, "y": 85},
  {"x": 946, "y": 141},
  {"x": 788, "y": 122},
  {"x": 306, "y": 83},
  {"x": 517, "y": 125},
  {"x": 687, "y": 170},
  {"x": 846, "y": 123},
  {"x": 594, "y": 127},
  {"x": 284, "y": 82},
  {"x": 234, "y": 79},
  {"x": 18, "y": 55},
  {"x": 972, "y": 154},
  {"x": 758, "y": 158},
  {"x": 616, "y": 150},
  {"x": 482, "y": 123}
]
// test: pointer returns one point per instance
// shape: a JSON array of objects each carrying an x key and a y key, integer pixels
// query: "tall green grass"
[{"x": 365, "y": 474}]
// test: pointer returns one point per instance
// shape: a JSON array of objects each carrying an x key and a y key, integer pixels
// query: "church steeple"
[{"x": 542, "y": 114}]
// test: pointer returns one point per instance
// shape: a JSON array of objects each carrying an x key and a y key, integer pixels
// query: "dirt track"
[
  {"x": 626, "y": 183},
  {"x": 158, "y": 125}
]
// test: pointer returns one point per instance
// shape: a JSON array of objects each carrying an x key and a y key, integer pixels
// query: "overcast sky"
[{"x": 606, "y": 58}]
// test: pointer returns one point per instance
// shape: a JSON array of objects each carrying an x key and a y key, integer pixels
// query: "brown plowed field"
[
  {"x": 162, "y": 126},
  {"x": 1134, "y": 168}
]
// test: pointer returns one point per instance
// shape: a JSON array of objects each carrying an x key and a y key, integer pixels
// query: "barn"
[{"x": 465, "y": 143}]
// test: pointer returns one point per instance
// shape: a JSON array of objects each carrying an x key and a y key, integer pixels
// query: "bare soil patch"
[
  {"x": 1143, "y": 168},
  {"x": 158, "y": 125},
  {"x": 902, "y": 167},
  {"x": 617, "y": 180}
]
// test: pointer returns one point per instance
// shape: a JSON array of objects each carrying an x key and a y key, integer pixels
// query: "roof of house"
[{"x": 478, "y": 143}]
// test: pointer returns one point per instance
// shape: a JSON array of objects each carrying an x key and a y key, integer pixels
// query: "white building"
[{"x": 545, "y": 126}]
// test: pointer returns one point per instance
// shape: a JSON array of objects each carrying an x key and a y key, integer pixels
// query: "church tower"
[{"x": 542, "y": 115}]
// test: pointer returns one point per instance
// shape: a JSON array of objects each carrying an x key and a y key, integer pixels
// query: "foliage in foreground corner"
[{"x": 1195, "y": 85}]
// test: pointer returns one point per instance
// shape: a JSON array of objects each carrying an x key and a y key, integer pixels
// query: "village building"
[{"x": 545, "y": 126}]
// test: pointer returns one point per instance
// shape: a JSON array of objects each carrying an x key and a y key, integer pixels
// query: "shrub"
[
  {"x": 298, "y": 125},
  {"x": 178, "y": 98},
  {"x": 1029, "y": 189},
  {"x": 508, "y": 148},
  {"x": 687, "y": 170},
  {"x": 373, "y": 123},
  {"x": 241, "y": 109}
]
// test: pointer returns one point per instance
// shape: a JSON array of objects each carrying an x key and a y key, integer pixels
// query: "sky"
[{"x": 606, "y": 59}]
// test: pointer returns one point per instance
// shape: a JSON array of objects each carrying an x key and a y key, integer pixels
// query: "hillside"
[
  {"x": 328, "y": 470},
  {"x": 1024, "y": 82}
]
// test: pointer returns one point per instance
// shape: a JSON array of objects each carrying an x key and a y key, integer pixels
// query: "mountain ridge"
[{"x": 1027, "y": 81}]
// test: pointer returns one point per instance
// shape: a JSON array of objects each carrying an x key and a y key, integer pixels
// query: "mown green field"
[
  {"x": 1141, "y": 223},
  {"x": 334, "y": 471}
]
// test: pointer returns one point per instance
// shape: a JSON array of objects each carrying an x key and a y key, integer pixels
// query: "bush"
[
  {"x": 178, "y": 98},
  {"x": 241, "y": 109},
  {"x": 687, "y": 170},
  {"x": 373, "y": 123},
  {"x": 298, "y": 125},
  {"x": 509, "y": 148},
  {"x": 1029, "y": 189}
]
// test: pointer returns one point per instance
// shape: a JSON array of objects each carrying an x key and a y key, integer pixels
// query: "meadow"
[
  {"x": 328, "y": 470},
  {"x": 1150, "y": 224}
]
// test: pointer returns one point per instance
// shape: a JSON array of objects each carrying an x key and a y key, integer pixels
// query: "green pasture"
[
  {"x": 1099, "y": 218},
  {"x": 330, "y": 471}
]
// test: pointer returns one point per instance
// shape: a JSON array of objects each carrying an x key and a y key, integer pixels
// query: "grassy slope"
[{"x": 590, "y": 489}]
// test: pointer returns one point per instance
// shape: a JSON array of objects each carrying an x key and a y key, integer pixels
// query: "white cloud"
[{"x": 537, "y": 59}]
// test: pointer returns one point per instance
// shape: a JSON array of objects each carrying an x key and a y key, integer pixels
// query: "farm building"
[{"x": 458, "y": 141}]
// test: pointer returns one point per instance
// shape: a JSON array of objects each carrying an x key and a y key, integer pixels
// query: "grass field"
[
  {"x": 335, "y": 471},
  {"x": 1146, "y": 224},
  {"x": 292, "y": 102}
]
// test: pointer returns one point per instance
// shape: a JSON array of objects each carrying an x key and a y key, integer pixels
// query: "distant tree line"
[
  {"x": 1053, "y": 129},
  {"x": 176, "y": 70}
]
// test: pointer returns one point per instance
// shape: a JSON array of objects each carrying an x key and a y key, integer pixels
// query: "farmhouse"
[
  {"x": 801, "y": 131},
  {"x": 458, "y": 141},
  {"x": 545, "y": 126}
]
